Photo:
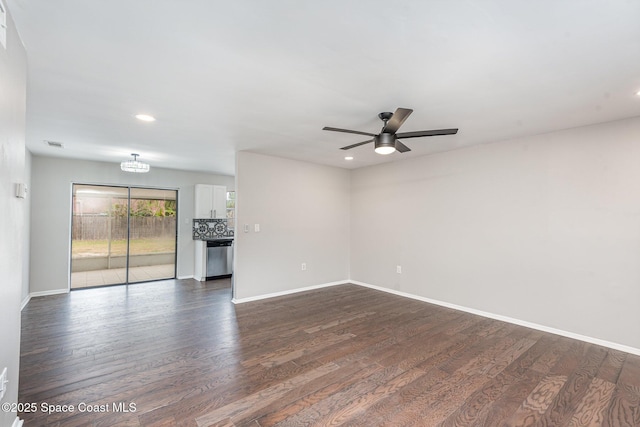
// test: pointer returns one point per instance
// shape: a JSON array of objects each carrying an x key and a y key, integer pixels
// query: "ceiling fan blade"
[
  {"x": 397, "y": 120},
  {"x": 420, "y": 133},
  {"x": 348, "y": 131},
  {"x": 401, "y": 147},
  {"x": 348, "y": 147}
]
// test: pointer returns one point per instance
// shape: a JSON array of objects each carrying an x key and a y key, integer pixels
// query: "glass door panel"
[
  {"x": 122, "y": 235},
  {"x": 152, "y": 234},
  {"x": 98, "y": 235}
]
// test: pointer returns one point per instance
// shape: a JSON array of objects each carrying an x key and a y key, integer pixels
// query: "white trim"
[
  {"x": 17, "y": 422},
  {"x": 597, "y": 341},
  {"x": 47, "y": 293},
  {"x": 292, "y": 291},
  {"x": 25, "y": 302},
  {"x": 184, "y": 277}
]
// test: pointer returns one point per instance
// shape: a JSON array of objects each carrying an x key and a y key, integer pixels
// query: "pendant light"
[{"x": 135, "y": 165}]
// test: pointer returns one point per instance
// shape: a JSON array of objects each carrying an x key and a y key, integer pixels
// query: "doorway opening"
[{"x": 122, "y": 234}]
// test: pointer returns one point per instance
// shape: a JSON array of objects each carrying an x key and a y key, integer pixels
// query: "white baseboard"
[
  {"x": 17, "y": 422},
  {"x": 47, "y": 293},
  {"x": 185, "y": 277},
  {"x": 597, "y": 341},
  {"x": 25, "y": 302},
  {"x": 292, "y": 291}
]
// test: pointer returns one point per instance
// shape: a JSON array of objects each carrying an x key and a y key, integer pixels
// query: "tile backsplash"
[{"x": 207, "y": 228}]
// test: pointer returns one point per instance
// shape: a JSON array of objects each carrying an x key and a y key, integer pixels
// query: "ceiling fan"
[{"x": 386, "y": 142}]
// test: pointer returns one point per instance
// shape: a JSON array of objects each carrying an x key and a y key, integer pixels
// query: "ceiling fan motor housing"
[{"x": 385, "y": 140}]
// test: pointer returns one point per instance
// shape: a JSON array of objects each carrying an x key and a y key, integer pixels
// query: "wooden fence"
[{"x": 92, "y": 227}]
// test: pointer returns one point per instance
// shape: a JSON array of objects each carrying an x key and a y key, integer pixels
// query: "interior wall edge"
[{"x": 507, "y": 319}]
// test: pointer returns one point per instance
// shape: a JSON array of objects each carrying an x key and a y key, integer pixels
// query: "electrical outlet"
[
  {"x": 399, "y": 269},
  {"x": 256, "y": 228},
  {"x": 304, "y": 266},
  {"x": 3, "y": 382}
]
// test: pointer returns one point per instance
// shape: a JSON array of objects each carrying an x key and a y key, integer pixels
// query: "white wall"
[
  {"x": 51, "y": 211},
  {"x": 543, "y": 229},
  {"x": 303, "y": 213},
  {"x": 13, "y": 76}
]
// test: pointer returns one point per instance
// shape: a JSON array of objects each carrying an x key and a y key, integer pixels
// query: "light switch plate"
[
  {"x": 256, "y": 228},
  {"x": 21, "y": 191}
]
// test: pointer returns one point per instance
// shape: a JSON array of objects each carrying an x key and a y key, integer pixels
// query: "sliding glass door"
[
  {"x": 122, "y": 235},
  {"x": 152, "y": 234}
]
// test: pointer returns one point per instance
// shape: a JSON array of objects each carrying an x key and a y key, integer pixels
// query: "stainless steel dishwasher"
[{"x": 219, "y": 258}]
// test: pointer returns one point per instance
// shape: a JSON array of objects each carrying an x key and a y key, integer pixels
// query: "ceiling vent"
[
  {"x": 3, "y": 25},
  {"x": 55, "y": 144}
]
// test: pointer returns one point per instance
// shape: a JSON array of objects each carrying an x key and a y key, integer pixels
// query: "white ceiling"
[{"x": 266, "y": 76}]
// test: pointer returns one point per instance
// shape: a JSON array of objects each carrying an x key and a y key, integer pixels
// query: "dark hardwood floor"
[{"x": 180, "y": 353}]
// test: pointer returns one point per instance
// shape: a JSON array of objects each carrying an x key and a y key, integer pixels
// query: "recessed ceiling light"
[
  {"x": 638, "y": 93},
  {"x": 349, "y": 158},
  {"x": 145, "y": 118}
]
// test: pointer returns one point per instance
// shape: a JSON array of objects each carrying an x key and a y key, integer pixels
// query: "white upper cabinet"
[{"x": 211, "y": 201}]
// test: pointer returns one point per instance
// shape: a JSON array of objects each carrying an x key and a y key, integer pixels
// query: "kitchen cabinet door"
[
  {"x": 219, "y": 204},
  {"x": 210, "y": 201}
]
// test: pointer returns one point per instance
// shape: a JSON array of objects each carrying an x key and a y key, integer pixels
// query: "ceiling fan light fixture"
[
  {"x": 384, "y": 150},
  {"x": 135, "y": 165},
  {"x": 385, "y": 143}
]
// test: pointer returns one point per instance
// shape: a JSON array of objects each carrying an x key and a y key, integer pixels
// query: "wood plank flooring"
[{"x": 179, "y": 353}]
